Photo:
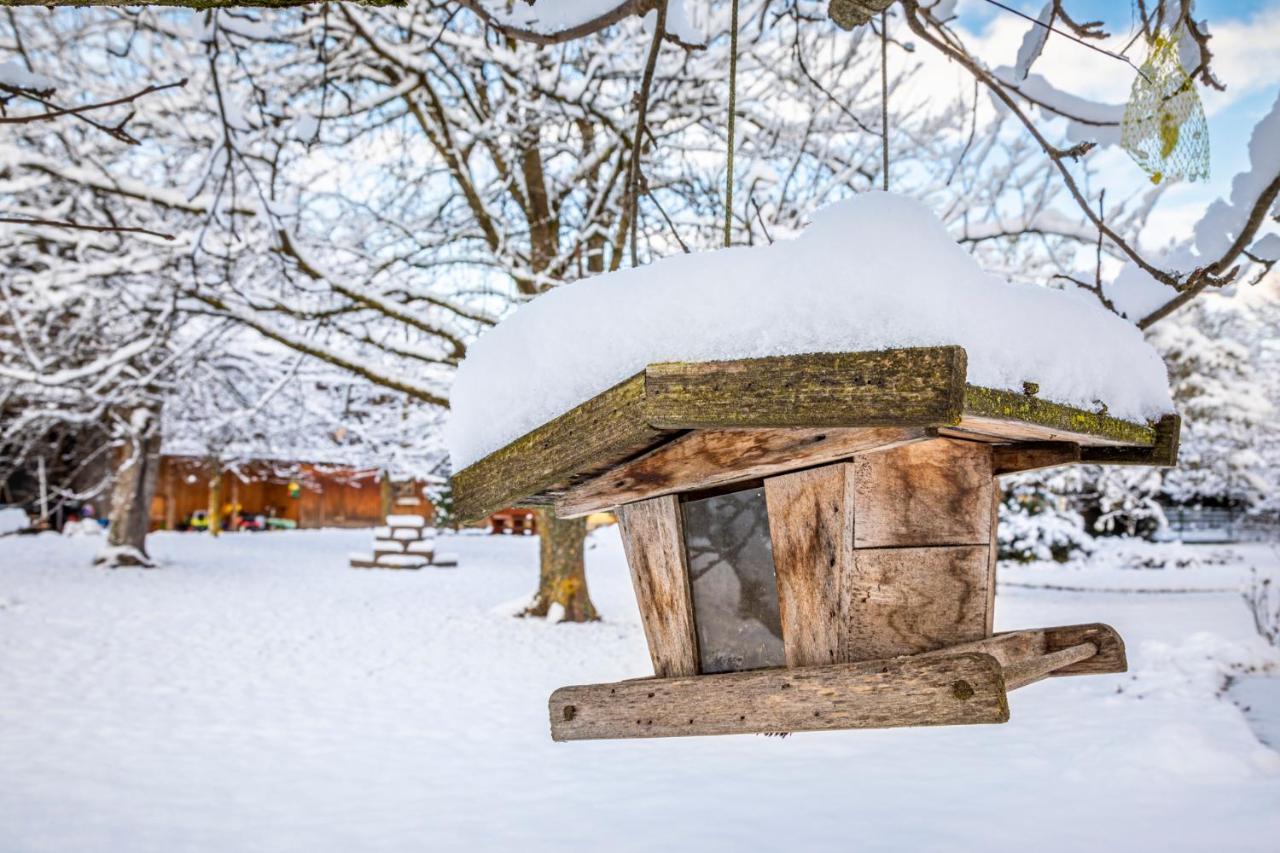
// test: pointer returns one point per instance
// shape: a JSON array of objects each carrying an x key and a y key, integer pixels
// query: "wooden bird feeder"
[{"x": 811, "y": 538}]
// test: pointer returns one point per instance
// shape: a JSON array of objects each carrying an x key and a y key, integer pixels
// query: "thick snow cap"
[{"x": 876, "y": 271}]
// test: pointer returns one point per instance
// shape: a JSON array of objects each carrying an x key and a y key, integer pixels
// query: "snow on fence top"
[{"x": 877, "y": 271}]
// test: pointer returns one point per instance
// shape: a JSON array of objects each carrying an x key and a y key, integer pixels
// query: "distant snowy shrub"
[
  {"x": 1265, "y": 609},
  {"x": 441, "y": 496},
  {"x": 1038, "y": 525}
]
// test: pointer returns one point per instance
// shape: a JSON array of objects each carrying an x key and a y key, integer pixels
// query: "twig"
[
  {"x": 114, "y": 229},
  {"x": 760, "y": 219},
  {"x": 624, "y": 9},
  {"x": 1067, "y": 35},
  {"x": 62, "y": 111},
  {"x": 670, "y": 225},
  {"x": 642, "y": 97}
]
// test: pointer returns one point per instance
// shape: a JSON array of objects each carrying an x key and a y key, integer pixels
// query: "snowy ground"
[{"x": 256, "y": 694}]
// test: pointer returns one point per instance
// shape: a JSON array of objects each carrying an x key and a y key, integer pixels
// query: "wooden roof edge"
[
  {"x": 610, "y": 425},
  {"x": 1013, "y": 406},
  {"x": 912, "y": 386},
  {"x": 1163, "y": 452},
  {"x": 907, "y": 387}
]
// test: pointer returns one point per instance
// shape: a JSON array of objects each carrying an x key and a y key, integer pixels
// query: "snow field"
[{"x": 256, "y": 694}]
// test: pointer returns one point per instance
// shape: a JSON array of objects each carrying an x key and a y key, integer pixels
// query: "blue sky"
[{"x": 1246, "y": 45}]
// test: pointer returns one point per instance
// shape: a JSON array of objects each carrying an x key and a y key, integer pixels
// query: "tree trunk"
[
  {"x": 215, "y": 499},
  {"x": 134, "y": 485},
  {"x": 562, "y": 580},
  {"x": 384, "y": 493}
]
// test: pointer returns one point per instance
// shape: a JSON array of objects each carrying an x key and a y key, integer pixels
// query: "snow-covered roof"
[{"x": 877, "y": 271}]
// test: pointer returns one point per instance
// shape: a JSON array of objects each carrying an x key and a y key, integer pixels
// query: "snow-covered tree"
[{"x": 1213, "y": 368}]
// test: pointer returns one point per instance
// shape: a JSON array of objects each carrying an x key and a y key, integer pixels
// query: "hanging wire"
[{"x": 733, "y": 106}]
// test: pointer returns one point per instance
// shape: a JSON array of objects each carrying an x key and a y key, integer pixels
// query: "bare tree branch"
[{"x": 106, "y": 229}]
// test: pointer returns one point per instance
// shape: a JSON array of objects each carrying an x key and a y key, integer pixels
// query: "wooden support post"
[
  {"x": 653, "y": 538},
  {"x": 811, "y": 528},
  {"x": 385, "y": 496},
  {"x": 215, "y": 498}
]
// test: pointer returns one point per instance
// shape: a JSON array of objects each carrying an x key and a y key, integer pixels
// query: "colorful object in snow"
[
  {"x": 295, "y": 490},
  {"x": 1164, "y": 127}
]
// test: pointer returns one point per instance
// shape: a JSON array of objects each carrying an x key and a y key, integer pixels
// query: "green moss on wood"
[
  {"x": 1010, "y": 406},
  {"x": 916, "y": 386},
  {"x": 598, "y": 434},
  {"x": 1163, "y": 453}
]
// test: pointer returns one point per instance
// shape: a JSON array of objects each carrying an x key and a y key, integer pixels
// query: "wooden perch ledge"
[{"x": 961, "y": 685}]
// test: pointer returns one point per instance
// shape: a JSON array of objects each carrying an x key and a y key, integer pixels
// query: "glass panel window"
[{"x": 731, "y": 574}]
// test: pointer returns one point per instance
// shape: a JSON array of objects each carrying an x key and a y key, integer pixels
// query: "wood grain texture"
[
  {"x": 811, "y": 529},
  {"x": 1111, "y": 654},
  {"x": 585, "y": 441},
  {"x": 993, "y": 557},
  {"x": 946, "y": 690},
  {"x": 653, "y": 539},
  {"x": 705, "y": 459},
  {"x": 931, "y": 493},
  {"x": 1032, "y": 456},
  {"x": 901, "y": 601},
  {"x": 1030, "y": 670},
  {"x": 921, "y": 386},
  {"x": 1007, "y": 648},
  {"x": 1010, "y": 647}
]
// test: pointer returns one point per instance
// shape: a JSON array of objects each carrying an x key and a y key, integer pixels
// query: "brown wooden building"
[{"x": 309, "y": 494}]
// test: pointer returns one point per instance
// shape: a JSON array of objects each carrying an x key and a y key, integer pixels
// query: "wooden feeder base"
[{"x": 959, "y": 685}]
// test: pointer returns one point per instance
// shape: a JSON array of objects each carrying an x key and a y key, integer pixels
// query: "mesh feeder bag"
[{"x": 1164, "y": 128}]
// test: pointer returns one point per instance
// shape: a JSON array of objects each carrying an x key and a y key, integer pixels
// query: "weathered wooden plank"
[
  {"x": 811, "y": 528},
  {"x": 1006, "y": 648},
  {"x": 654, "y": 544},
  {"x": 921, "y": 386},
  {"x": 989, "y": 404},
  {"x": 901, "y": 601},
  {"x": 1164, "y": 453},
  {"x": 1032, "y": 456},
  {"x": 1030, "y": 670},
  {"x": 602, "y": 432},
  {"x": 1009, "y": 647},
  {"x": 947, "y": 690},
  {"x": 931, "y": 493},
  {"x": 1110, "y": 657},
  {"x": 993, "y": 556},
  {"x": 705, "y": 459}
]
